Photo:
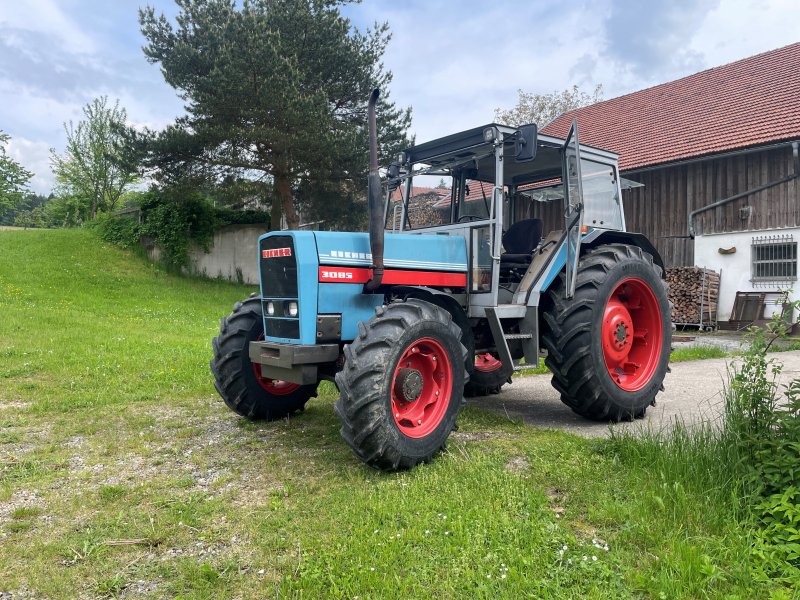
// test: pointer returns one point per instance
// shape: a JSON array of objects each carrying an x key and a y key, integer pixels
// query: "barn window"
[{"x": 774, "y": 259}]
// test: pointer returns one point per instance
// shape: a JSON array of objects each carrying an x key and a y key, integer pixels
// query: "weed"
[
  {"x": 110, "y": 493},
  {"x": 746, "y": 465},
  {"x": 25, "y": 512}
]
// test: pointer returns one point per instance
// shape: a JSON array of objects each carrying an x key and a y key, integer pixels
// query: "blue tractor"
[{"x": 521, "y": 252}]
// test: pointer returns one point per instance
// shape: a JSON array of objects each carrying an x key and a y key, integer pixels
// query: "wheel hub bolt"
[{"x": 419, "y": 421}]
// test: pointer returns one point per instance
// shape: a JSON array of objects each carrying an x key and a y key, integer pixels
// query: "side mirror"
[
  {"x": 392, "y": 175},
  {"x": 525, "y": 143}
]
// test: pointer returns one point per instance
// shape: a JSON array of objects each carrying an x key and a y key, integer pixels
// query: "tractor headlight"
[
  {"x": 292, "y": 309},
  {"x": 270, "y": 308}
]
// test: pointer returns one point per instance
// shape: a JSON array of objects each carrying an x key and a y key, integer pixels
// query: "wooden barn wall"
[
  {"x": 660, "y": 209},
  {"x": 551, "y": 214}
]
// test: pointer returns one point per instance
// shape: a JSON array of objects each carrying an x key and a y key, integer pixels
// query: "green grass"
[
  {"x": 121, "y": 472},
  {"x": 688, "y": 353}
]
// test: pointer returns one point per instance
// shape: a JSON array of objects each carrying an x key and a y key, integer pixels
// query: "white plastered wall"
[{"x": 735, "y": 268}]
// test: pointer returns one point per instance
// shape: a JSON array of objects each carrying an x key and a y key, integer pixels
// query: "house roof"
[
  {"x": 746, "y": 103},
  {"x": 477, "y": 189}
]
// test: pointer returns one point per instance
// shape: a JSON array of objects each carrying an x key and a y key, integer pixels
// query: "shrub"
[
  {"x": 228, "y": 216},
  {"x": 121, "y": 231},
  {"x": 175, "y": 217}
]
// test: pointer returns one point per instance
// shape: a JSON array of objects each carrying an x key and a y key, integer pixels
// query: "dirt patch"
[
  {"x": 138, "y": 588},
  {"x": 518, "y": 465},
  {"x": 474, "y": 436},
  {"x": 14, "y": 405},
  {"x": 555, "y": 498},
  {"x": 19, "y": 499}
]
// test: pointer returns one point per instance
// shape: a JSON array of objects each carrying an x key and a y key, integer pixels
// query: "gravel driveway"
[{"x": 692, "y": 391}]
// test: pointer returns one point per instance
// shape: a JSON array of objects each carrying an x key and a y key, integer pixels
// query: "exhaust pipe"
[{"x": 374, "y": 198}]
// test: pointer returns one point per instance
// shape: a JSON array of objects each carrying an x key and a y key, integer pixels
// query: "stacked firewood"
[{"x": 689, "y": 287}]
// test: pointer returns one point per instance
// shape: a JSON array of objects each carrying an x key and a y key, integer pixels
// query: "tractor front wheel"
[
  {"x": 239, "y": 381},
  {"x": 608, "y": 347},
  {"x": 401, "y": 387},
  {"x": 487, "y": 376}
]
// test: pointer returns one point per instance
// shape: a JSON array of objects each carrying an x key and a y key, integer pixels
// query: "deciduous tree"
[
  {"x": 13, "y": 178},
  {"x": 275, "y": 92},
  {"x": 94, "y": 171},
  {"x": 543, "y": 108}
]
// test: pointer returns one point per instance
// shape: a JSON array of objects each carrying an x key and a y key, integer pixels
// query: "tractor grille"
[{"x": 278, "y": 268}]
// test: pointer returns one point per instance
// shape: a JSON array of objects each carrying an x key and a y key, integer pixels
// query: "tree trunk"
[
  {"x": 275, "y": 214},
  {"x": 283, "y": 195}
]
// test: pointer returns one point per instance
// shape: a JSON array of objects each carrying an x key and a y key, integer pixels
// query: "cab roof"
[{"x": 470, "y": 149}]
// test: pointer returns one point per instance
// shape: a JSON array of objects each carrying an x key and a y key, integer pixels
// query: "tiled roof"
[
  {"x": 745, "y": 103},
  {"x": 477, "y": 189}
]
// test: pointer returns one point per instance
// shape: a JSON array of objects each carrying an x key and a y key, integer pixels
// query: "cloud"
[
  {"x": 34, "y": 156},
  {"x": 736, "y": 29},
  {"x": 54, "y": 60},
  {"x": 651, "y": 39},
  {"x": 456, "y": 65},
  {"x": 453, "y": 62},
  {"x": 47, "y": 18}
]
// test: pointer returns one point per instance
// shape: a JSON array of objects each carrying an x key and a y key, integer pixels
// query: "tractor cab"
[{"x": 503, "y": 190}]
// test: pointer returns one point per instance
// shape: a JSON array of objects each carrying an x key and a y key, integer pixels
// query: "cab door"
[{"x": 573, "y": 203}]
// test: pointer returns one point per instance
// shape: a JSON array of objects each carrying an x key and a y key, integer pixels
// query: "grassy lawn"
[{"x": 122, "y": 473}]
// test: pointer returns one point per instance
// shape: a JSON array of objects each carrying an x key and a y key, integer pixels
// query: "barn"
[{"x": 711, "y": 168}]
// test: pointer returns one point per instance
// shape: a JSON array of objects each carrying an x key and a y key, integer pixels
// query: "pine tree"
[{"x": 275, "y": 91}]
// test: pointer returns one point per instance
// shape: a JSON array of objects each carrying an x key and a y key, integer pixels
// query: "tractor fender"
[
  {"x": 445, "y": 301},
  {"x": 594, "y": 238},
  {"x": 597, "y": 237}
]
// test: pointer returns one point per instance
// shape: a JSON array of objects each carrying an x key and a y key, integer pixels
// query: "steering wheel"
[{"x": 469, "y": 218}]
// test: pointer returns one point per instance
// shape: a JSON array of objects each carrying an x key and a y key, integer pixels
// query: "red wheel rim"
[
  {"x": 426, "y": 364},
  {"x": 631, "y": 334},
  {"x": 276, "y": 387},
  {"x": 486, "y": 363}
]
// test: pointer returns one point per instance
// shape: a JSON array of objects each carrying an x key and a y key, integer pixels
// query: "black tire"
[
  {"x": 243, "y": 391},
  {"x": 485, "y": 383},
  {"x": 573, "y": 334},
  {"x": 367, "y": 380}
]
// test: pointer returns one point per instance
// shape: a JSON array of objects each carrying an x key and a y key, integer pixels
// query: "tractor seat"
[{"x": 520, "y": 241}]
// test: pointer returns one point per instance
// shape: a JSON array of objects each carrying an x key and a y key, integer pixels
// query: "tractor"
[{"x": 520, "y": 253}]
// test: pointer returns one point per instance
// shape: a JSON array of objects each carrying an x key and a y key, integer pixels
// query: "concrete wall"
[
  {"x": 735, "y": 268},
  {"x": 233, "y": 254}
]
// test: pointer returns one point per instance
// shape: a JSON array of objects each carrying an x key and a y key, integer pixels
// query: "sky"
[{"x": 454, "y": 61}]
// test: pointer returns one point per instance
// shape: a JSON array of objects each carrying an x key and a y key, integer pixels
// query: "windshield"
[{"x": 454, "y": 197}]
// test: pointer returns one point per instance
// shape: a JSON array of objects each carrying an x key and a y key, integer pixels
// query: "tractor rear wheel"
[
  {"x": 401, "y": 387},
  {"x": 239, "y": 381},
  {"x": 608, "y": 347}
]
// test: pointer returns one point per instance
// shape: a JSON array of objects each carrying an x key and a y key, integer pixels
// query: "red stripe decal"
[
  {"x": 435, "y": 278},
  {"x": 392, "y": 277}
]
